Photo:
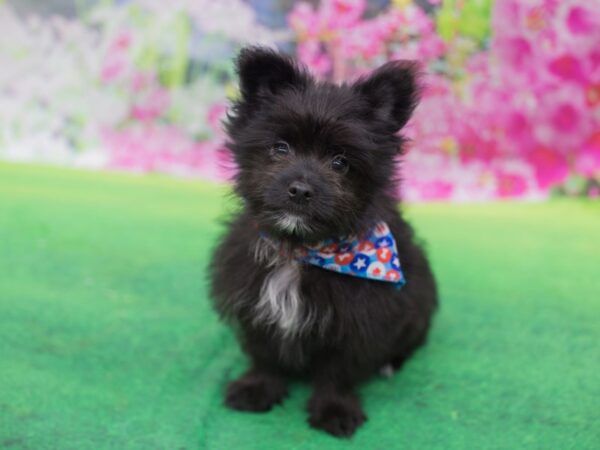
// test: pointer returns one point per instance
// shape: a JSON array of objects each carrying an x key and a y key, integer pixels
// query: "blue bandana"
[{"x": 373, "y": 256}]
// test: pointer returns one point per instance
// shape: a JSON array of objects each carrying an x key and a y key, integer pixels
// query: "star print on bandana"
[{"x": 373, "y": 256}]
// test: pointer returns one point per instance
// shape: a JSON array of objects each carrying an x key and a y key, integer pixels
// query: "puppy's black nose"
[{"x": 300, "y": 192}]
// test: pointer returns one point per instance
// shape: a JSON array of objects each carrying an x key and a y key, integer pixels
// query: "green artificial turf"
[{"x": 108, "y": 340}]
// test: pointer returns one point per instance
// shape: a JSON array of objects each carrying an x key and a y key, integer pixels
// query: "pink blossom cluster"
[
  {"x": 147, "y": 99},
  {"x": 515, "y": 119},
  {"x": 146, "y": 141},
  {"x": 335, "y": 41},
  {"x": 153, "y": 147}
]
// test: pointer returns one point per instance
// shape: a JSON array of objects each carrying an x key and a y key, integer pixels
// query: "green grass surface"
[{"x": 108, "y": 341}]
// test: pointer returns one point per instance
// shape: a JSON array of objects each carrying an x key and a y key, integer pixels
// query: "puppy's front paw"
[
  {"x": 339, "y": 416},
  {"x": 255, "y": 392}
]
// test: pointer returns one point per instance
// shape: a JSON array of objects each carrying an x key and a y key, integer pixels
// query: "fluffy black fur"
[{"x": 285, "y": 128}]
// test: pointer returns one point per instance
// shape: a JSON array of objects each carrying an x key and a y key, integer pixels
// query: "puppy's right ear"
[{"x": 263, "y": 71}]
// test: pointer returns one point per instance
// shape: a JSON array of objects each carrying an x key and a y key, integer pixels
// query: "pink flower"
[
  {"x": 365, "y": 41},
  {"x": 304, "y": 20},
  {"x": 568, "y": 68},
  {"x": 112, "y": 70},
  {"x": 587, "y": 161},
  {"x": 431, "y": 47},
  {"x": 141, "y": 81},
  {"x": 474, "y": 147},
  {"x": 550, "y": 167},
  {"x": 309, "y": 52},
  {"x": 152, "y": 106},
  {"x": 592, "y": 95},
  {"x": 518, "y": 128},
  {"x": 535, "y": 18},
  {"x": 594, "y": 59},
  {"x": 341, "y": 13},
  {"x": 216, "y": 114},
  {"x": 579, "y": 20},
  {"x": 418, "y": 21},
  {"x": 436, "y": 190},
  {"x": 565, "y": 118},
  {"x": 115, "y": 61},
  {"x": 550, "y": 6},
  {"x": 506, "y": 14},
  {"x": 510, "y": 184},
  {"x": 152, "y": 147},
  {"x": 122, "y": 41},
  {"x": 514, "y": 51}
]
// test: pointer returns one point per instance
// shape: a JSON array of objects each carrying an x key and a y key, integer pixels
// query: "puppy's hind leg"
[{"x": 409, "y": 342}]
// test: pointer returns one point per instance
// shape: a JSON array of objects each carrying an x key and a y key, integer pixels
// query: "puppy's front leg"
[
  {"x": 257, "y": 390},
  {"x": 334, "y": 406}
]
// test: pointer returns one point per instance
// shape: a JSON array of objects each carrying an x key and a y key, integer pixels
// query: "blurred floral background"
[{"x": 511, "y": 106}]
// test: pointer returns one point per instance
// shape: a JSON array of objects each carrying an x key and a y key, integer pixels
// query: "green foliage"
[{"x": 466, "y": 18}]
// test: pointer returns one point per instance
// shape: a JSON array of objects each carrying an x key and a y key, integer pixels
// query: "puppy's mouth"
[
  {"x": 292, "y": 224},
  {"x": 289, "y": 225}
]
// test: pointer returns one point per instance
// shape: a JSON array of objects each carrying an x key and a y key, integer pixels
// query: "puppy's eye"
[
  {"x": 340, "y": 164},
  {"x": 280, "y": 148}
]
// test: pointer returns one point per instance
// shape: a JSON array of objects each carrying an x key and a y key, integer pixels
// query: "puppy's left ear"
[{"x": 392, "y": 92}]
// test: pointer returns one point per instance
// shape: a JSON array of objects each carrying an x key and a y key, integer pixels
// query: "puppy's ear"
[
  {"x": 263, "y": 71},
  {"x": 392, "y": 92}
]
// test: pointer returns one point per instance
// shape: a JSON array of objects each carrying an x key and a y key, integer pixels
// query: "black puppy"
[{"x": 312, "y": 269}]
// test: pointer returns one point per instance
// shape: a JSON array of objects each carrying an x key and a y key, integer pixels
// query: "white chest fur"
[{"x": 280, "y": 303}]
